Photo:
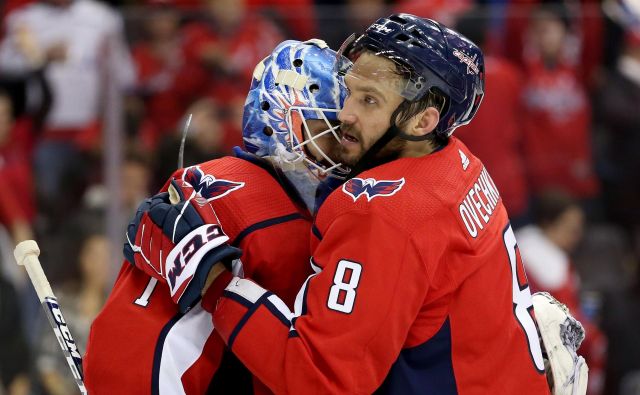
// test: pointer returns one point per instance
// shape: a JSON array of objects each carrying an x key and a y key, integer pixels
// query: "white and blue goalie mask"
[{"x": 293, "y": 104}]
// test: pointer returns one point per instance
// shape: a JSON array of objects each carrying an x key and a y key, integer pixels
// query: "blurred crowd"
[{"x": 94, "y": 96}]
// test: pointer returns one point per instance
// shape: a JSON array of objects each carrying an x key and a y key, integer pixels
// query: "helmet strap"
[
  {"x": 409, "y": 137},
  {"x": 368, "y": 160}
]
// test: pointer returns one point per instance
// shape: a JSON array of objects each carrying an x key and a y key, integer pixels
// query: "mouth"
[{"x": 348, "y": 139}]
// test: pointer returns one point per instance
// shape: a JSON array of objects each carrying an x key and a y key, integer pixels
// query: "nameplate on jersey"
[
  {"x": 371, "y": 187},
  {"x": 479, "y": 204},
  {"x": 208, "y": 186}
]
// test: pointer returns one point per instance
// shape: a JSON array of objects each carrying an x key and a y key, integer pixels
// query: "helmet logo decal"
[
  {"x": 471, "y": 62},
  {"x": 371, "y": 188},
  {"x": 381, "y": 28},
  {"x": 209, "y": 187},
  {"x": 285, "y": 104}
]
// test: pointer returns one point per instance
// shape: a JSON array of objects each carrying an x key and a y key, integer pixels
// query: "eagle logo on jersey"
[
  {"x": 464, "y": 160},
  {"x": 371, "y": 188},
  {"x": 208, "y": 186}
]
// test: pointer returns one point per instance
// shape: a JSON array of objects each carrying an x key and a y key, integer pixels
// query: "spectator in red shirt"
[
  {"x": 231, "y": 42},
  {"x": 166, "y": 82},
  {"x": 16, "y": 198},
  {"x": 498, "y": 120},
  {"x": 224, "y": 50},
  {"x": 586, "y": 22},
  {"x": 558, "y": 114}
]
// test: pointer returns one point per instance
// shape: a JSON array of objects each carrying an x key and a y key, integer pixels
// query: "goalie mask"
[{"x": 291, "y": 111}]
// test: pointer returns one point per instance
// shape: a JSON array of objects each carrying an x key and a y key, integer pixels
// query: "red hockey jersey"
[
  {"x": 141, "y": 344},
  {"x": 419, "y": 288}
]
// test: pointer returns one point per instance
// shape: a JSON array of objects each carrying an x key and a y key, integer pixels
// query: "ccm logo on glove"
[{"x": 193, "y": 247}]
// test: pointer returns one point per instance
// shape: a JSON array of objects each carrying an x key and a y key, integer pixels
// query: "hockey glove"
[
  {"x": 178, "y": 243},
  {"x": 561, "y": 336}
]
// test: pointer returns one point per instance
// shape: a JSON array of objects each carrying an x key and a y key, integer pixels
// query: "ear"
[{"x": 426, "y": 122}]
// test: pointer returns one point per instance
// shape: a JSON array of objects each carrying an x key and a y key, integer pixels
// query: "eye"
[{"x": 370, "y": 100}]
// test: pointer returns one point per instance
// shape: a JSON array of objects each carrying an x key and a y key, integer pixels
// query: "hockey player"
[
  {"x": 152, "y": 335},
  {"x": 418, "y": 284}
]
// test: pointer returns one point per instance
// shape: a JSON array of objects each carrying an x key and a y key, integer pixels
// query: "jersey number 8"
[
  {"x": 342, "y": 295},
  {"x": 522, "y": 303}
]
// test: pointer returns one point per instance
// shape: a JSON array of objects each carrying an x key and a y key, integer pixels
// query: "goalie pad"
[{"x": 561, "y": 334}]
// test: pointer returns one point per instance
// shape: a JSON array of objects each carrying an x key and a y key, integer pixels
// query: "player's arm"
[{"x": 351, "y": 318}]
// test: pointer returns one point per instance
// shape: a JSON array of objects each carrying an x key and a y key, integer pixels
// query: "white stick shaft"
[{"x": 26, "y": 254}]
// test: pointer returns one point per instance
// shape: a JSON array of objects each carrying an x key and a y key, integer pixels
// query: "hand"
[{"x": 178, "y": 243}]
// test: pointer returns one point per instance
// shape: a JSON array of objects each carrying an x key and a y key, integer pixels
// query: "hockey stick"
[
  {"x": 185, "y": 130},
  {"x": 26, "y": 254}
]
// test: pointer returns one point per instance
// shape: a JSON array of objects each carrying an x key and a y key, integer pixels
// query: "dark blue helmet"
[{"x": 434, "y": 58}]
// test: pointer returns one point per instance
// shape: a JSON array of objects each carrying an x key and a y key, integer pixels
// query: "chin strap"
[
  {"x": 409, "y": 137},
  {"x": 369, "y": 159}
]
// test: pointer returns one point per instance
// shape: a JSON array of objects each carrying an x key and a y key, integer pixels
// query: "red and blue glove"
[{"x": 178, "y": 243}]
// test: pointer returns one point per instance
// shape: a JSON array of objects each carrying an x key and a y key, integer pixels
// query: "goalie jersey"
[
  {"x": 418, "y": 288},
  {"x": 141, "y": 344}
]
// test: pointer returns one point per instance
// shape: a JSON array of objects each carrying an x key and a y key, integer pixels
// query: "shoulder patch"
[
  {"x": 464, "y": 160},
  {"x": 207, "y": 185},
  {"x": 371, "y": 188}
]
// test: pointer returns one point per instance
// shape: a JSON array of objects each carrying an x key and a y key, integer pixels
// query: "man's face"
[
  {"x": 548, "y": 34},
  {"x": 366, "y": 115},
  {"x": 568, "y": 228}
]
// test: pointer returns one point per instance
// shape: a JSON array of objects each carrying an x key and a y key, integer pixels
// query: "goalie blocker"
[{"x": 561, "y": 336}]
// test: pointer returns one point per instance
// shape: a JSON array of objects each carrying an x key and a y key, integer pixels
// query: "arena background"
[{"x": 94, "y": 95}]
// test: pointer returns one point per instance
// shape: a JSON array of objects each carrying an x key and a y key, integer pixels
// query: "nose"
[{"x": 346, "y": 115}]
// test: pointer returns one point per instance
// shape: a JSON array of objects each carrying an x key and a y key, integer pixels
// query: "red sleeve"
[{"x": 351, "y": 318}]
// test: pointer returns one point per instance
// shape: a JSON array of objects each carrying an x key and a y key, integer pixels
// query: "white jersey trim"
[{"x": 182, "y": 347}]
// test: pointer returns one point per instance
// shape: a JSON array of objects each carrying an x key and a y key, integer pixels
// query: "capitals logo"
[
  {"x": 371, "y": 188},
  {"x": 207, "y": 185}
]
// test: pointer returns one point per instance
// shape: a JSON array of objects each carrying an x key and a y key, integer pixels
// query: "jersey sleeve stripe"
[
  {"x": 238, "y": 299},
  {"x": 245, "y": 318},
  {"x": 265, "y": 224},
  {"x": 279, "y": 309},
  {"x": 316, "y": 232},
  {"x": 300, "y": 304},
  {"x": 252, "y": 296},
  {"x": 273, "y": 304}
]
